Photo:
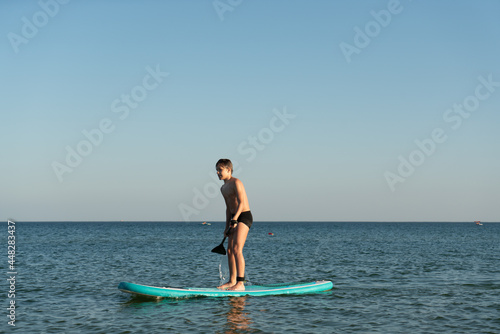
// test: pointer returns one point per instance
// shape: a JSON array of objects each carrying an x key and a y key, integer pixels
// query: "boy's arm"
[
  {"x": 228, "y": 220},
  {"x": 241, "y": 195},
  {"x": 228, "y": 217}
]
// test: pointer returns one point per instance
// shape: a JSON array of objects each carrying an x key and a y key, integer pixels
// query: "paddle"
[{"x": 220, "y": 249}]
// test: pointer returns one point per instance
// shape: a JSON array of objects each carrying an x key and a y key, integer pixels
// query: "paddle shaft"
[{"x": 226, "y": 235}]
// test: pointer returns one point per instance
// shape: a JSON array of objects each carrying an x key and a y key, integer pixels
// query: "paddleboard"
[{"x": 251, "y": 290}]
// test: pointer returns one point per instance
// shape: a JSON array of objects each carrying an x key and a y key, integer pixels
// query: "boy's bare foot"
[
  {"x": 240, "y": 286},
  {"x": 225, "y": 286}
]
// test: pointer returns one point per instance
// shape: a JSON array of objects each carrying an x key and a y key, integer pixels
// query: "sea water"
[{"x": 388, "y": 278}]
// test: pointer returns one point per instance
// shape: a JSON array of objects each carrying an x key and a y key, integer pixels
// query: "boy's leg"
[
  {"x": 231, "y": 263},
  {"x": 235, "y": 248}
]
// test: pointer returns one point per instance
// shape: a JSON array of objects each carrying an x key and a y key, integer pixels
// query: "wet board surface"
[{"x": 252, "y": 290}]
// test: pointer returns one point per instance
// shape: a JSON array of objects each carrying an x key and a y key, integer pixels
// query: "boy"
[{"x": 238, "y": 222}]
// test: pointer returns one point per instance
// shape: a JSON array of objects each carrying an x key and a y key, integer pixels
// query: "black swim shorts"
[{"x": 246, "y": 218}]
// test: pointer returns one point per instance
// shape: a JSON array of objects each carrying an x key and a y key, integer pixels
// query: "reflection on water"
[
  {"x": 237, "y": 319},
  {"x": 150, "y": 306},
  {"x": 228, "y": 312}
]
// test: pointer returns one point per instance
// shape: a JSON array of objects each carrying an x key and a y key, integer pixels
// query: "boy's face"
[{"x": 223, "y": 173}]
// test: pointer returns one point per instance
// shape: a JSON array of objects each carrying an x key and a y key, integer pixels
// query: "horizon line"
[{"x": 262, "y": 221}]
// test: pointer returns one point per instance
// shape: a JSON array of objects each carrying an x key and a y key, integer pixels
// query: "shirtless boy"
[{"x": 238, "y": 222}]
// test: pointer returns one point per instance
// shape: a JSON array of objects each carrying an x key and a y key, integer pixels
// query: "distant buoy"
[{"x": 270, "y": 234}]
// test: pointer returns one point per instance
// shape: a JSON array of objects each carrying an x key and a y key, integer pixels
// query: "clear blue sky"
[{"x": 334, "y": 110}]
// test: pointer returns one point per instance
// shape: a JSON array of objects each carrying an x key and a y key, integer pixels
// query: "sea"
[{"x": 387, "y": 277}]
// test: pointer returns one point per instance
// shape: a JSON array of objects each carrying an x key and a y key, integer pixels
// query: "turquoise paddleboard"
[{"x": 251, "y": 290}]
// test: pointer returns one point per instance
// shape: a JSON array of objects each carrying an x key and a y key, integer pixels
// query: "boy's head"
[
  {"x": 224, "y": 169},
  {"x": 226, "y": 163}
]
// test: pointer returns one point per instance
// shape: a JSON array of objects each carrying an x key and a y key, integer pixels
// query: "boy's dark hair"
[{"x": 226, "y": 163}]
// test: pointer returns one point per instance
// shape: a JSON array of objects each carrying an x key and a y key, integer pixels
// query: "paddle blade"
[{"x": 219, "y": 249}]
